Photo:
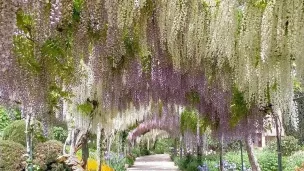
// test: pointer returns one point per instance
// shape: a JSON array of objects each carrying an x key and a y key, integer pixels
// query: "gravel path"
[{"x": 154, "y": 163}]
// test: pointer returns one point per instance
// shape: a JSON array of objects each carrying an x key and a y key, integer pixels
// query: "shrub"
[
  {"x": 233, "y": 146},
  {"x": 16, "y": 132},
  {"x": 136, "y": 152},
  {"x": 46, "y": 153},
  {"x": 181, "y": 163},
  {"x": 184, "y": 162},
  {"x": 130, "y": 159},
  {"x": 235, "y": 157},
  {"x": 11, "y": 156},
  {"x": 268, "y": 161},
  {"x": 289, "y": 145},
  {"x": 144, "y": 152},
  {"x": 213, "y": 144},
  {"x": 163, "y": 146},
  {"x": 117, "y": 162},
  {"x": 59, "y": 134},
  {"x": 211, "y": 157},
  {"x": 300, "y": 168},
  {"x": 294, "y": 161},
  {"x": 212, "y": 165},
  {"x": 144, "y": 149},
  {"x": 4, "y": 119},
  {"x": 159, "y": 150},
  {"x": 7, "y": 117},
  {"x": 192, "y": 165}
]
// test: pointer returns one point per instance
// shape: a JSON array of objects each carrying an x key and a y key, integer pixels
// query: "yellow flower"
[
  {"x": 93, "y": 165},
  {"x": 106, "y": 168}
]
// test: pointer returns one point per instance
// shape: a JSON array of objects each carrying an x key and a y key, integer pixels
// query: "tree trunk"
[
  {"x": 154, "y": 144},
  {"x": 221, "y": 153},
  {"x": 68, "y": 140},
  {"x": 181, "y": 147},
  {"x": 85, "y": 151},
  {"x": 110, "y": 144},
  {"x": 29, "y": 142},
  {"x": 252, "y": 159},
  {"x": 198, "y": 139},
  {"x": 278, "y": 143},
  {"x": 117, "y": 138},
  {"x": 100, "y": 146},
  {"x": 45, "y": 125},
  {"x": 242, "y": 160},
  {"x": 204, "y": 144},
  {"x": 72, "y": 145},
  {"x": 175, "y": 147}
]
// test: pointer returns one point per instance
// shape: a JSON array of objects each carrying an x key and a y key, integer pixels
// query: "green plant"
[
  {"x": 7, "y": 117},
  {"x": 136, "y": 152},
  {"x": 163, "y": 146},
  {"x": 11, "y": 156},
  {"x": 117, "y": 162},
  {"x": 238, "y": 107},
  {"x": 289, "y": 145},
  {"x": 183, "y": 163},
  {"x": 190, "y": 162},
  {"x": 233, "y": 146},
  {"x": 294, "y": 161},
  {"x": 144, "y": 149},
  {"x": 235, "y": 157},
  {"x": 212, "y": 165},
  {"x": 4, "y": 119},
  {"x": 189, "y": 119},
  {"x": 85, "y": 108},
  {"x": 16, "y": 132},
  {"x": 144, "y": 152},
  {"x": 268, "y": 160},
  {"x": 130, "y": 159},
  {"x": 192, "y": 165},
  {"x": 59, "y": 134}
]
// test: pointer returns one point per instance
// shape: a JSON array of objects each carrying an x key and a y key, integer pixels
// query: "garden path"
[{"x": 156, "y": 162}]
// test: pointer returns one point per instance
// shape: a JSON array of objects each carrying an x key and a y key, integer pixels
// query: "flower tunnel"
[{"x": 102, "y": 65}]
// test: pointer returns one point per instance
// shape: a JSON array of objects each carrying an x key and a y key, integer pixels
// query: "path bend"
[{"x": 157, "y": 162}]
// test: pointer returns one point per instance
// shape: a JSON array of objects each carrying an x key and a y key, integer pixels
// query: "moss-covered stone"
[
  {"x": 11, "y": 156},
  {"x": 16, "y": 132},
  {"x": 45, "y": 154}
]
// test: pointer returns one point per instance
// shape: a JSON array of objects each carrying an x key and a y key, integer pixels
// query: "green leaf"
[
  {"x": 193, "y": 97},
  {"x": 297, "y": 85},
  {"x": 24, "y": 21},
  {"x": 260, "y": 3},
  {"x": 77, "y": 7},
  {"x": 85, "y": 108},
  {"x": 238, "y": 107},
  {"x": 24, "y": 50}
]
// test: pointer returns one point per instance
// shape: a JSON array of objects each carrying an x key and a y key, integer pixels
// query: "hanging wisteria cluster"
[{"x": 137, "y": 57}]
